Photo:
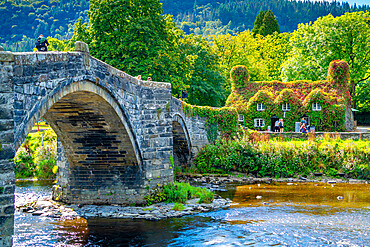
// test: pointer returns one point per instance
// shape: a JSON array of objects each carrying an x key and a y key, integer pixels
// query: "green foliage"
[
  {"x": 178, "y": 206},
  {"x": 265, "y": 23},
  {"x": 286, "y": 159},
  {"x": 37, "y": 157},
  {"x": 258, "y": 22},
  {"x": 131, "y": 35},
  {"x": 338, "y": 72},
  {"x": 179, "y": 193},
  {"x": 225, "y": 118},
  {"x": 198, "y": 70},
  {"x": 262, "y": 55},
  {"x": 239, "y": 77},
  {"x": 57, "y": 45},
  {"x": 214, "y": 17},
  {"x": 23, "y": 21},
  {"x": 332, "y": 95},
  {"x": 315, "y": 45}
]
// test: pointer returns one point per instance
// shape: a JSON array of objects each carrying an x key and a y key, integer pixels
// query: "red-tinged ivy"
[
  {"x": 239, "y": 76},
  {"x": 332, "y": 115},
  {"x": 250, "y": 112},
  {"x": 338, "y": 72},
  {"x": 332, "y": 94},
  {"x": 287, "y": 96},
  {"x": 226, "y": 117}
]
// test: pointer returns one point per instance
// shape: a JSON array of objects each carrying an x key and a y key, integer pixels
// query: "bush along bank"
[
  {"x": 36, "y": 158},
  {"x": 256, "y": 154}
]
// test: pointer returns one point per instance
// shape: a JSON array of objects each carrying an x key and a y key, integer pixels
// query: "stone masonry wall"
[
  {"x": 133, "y": 114},
  {"x": 195, "y": 126},
  {"x": 6, "y": 149}
]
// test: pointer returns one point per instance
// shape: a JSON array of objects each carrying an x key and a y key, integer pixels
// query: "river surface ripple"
[{"x": 263, "y": 215}]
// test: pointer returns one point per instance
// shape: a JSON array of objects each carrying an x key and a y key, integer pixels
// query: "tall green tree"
[
  {"x": 131, "y": 35},
  {"x": 134, "y": 36},
  {"x": 269, "y": 24},
  {"x": 258, "y": 22},
  {"x": 265, "y": 23},
  {"x": 315, "y": 45},
  {"x": 203, "y": 75}
]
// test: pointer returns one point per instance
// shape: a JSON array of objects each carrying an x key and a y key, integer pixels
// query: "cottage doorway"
[
  {"x": 305, "y": 117},
  {"x": 274, "y": 118}
]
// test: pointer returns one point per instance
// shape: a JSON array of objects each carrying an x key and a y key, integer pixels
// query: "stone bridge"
[{"x": 116, "y": 133}]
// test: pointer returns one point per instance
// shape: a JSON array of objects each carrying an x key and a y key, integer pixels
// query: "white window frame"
[
  {"x": 285, "y": 107},
  {"x": 316, "y": 107},
  {"x": 259, "y": 122},
  {"x": 261, "y": 107},
  {"x": 241, "y": 118}
]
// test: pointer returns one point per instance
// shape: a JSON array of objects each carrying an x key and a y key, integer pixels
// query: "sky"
[{"x": 351, "y": 2}]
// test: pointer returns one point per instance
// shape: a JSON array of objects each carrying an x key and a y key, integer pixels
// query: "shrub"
[
  {"x": 286, "y": 158},
  {"x": 178, "y": 206},
  {"x": 37, "y": 156},
  {"x": 179, "y": 192}
]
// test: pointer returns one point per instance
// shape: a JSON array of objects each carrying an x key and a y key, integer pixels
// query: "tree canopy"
[
  {"x": 315, "y": 45},
  {"x": 265, "y": 23}
]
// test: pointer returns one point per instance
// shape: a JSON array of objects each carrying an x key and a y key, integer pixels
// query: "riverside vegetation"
[
  {"x": 36, "y": 158},
  {"x": 258, "y": 155}
]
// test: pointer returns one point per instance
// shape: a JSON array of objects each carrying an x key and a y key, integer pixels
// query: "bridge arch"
[
  {"x": 42, "y": 107},
  {"x": 181, "y": 141},
  {"x": 39, "y": 84}
]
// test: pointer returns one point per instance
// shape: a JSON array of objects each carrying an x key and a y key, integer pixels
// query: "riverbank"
[
  {"x": 219, "y": 182},
  {"x": 45, "y": 207}
]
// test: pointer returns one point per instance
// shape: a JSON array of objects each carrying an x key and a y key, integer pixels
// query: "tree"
[
  {"x": 203, "y": 75},
  {"x": 134, "y": 36},
  {"x": 262, "y": 55},
  {"x": 315, "y": 45},
  {"x": 131, "y": 35},
  {"x": 269, "y": 24},
  {"x": 258, "y": 22},
  {"x": 265, "y": 23}
]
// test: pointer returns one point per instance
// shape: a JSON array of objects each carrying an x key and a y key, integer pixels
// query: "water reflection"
[
  {"x": 286, "y": 215},
  {"x": 310, "y": 195}
]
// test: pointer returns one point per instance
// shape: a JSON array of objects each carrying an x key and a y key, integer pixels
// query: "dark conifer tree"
[
  {"x": 258, "y": 22},
  {"x": 269, "y": 25}
]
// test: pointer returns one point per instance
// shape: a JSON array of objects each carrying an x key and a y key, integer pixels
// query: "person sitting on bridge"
[{"x": 42, "y": 43}]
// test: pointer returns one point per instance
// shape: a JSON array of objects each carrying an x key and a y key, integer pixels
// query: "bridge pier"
[{"x": 6, "y": 149}]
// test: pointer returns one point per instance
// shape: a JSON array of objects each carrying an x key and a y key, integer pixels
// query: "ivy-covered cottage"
[{"x": 324, "y": 104}]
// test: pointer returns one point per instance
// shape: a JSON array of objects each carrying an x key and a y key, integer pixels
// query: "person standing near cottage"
[
  {"x": 281, "y": 125},
  {"x": 303, "y": 121},
  {"x": 303, "y": 128},
  {"x": 42, "y": 43},
  {"x": 277, "y": 126}
]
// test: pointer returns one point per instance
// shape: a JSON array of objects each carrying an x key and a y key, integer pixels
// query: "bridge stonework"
[
  {"x": 189, "y": 134},
  {"x": 116, "y": 133}
]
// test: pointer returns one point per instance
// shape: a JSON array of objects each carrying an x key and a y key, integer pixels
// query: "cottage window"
[
  {"x": 286, "y": 107},
  {"x": 259, "y": 122},
  {"x": 260, "y": 107},
  {"x": 241, "y": 118},
  {"x": 316, "y": 107}
]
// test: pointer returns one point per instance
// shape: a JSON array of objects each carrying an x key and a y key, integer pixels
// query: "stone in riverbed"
[{"x": 37, "y": 213}]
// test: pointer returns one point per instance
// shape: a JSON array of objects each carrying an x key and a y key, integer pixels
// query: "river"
[{"x": 281, "y": 214}]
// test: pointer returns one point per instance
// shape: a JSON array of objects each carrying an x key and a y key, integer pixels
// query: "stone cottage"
[{"x": 326, "y": 104}]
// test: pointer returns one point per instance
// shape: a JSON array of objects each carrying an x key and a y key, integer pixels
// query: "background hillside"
[{"x": 21, "y": 21}]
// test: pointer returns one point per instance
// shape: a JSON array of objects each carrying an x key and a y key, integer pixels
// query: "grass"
[{"x": 179, "y": 193}]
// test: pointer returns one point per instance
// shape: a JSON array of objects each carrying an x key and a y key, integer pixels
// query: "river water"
[{"x": 282, "y": 214}]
